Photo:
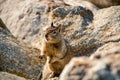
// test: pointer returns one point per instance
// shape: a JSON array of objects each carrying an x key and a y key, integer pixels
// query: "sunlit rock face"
[
  {"x": 18, "y": 58},
  {"x": 8, "y": 76},
  {"x": 102, "y": 65},
  {"x": 89, "y": 32}
]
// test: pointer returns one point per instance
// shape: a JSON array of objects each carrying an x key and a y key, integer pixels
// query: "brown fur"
[{"x": 57, "y": 52}]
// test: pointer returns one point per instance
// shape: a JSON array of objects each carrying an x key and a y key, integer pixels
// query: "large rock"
[
  {"x": 18, "y": 58},
  {"x": 91, "y": 4},
  {"x": 108, "y": 49},
  {"x": 83, "y": 3},
  {"x": 23, "y": 15},
  {"x": 104, "y": 63},
  {"x": 8, "y": 76},
  {"x": 26, "y": 18},
  {"x": 83, "y": 31},
  {"x": 85, "y": 34},
  {"x": 104, "y": 68}
]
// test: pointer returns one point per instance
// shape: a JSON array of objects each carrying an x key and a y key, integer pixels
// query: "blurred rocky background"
[{"x": 90, "y": 31}]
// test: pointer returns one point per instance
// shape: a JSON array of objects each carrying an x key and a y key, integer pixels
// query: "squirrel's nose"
[{"x": 41, "y": 56}]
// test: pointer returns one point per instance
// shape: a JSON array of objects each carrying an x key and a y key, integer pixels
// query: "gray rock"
[
  {"x": 108, "y": 49},
  {"x": 84, "y": 68},
  {"x": 83, "y": 33},
  {"x": 83, "y": 3},
  {"x": 18, "y": 58},
  {"x": 26, "y": 18},
  {"x": 8, "y": 76},
  {"x": 104, "y": 61},
  {"x": 74, "y": 22},
  {"x": 83, "y": 36}
]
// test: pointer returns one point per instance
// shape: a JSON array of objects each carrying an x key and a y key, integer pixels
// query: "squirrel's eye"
[{"x": 54, "y": 32}]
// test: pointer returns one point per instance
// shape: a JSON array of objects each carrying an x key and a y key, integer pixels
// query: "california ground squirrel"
[{"x": 56, "y": 50}]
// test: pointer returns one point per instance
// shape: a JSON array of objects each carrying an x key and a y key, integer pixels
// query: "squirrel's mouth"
[
  {"x": 50, "y": 39},
  {"x": 46, "y": 37}
]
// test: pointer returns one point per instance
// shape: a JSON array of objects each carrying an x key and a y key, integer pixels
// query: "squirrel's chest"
[
  {"x": 53, "y": 49},
  {"x": 56, "y": 66}
]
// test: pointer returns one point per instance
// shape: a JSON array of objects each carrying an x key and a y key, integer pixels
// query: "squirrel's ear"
[
  {"x": 59, "y": 28},
  {"x": 52, "y": 25}
]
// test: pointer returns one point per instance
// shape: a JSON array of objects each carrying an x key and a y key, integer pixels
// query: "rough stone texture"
[
  {"x": 82, "y": 3},
  {"x": 84, "y": 34},
  {"x": 8, "y": 76},
  {"x": 18, "y": 58},
  {"x": 25, "y": 18},
  {"x": 108, "y": 49},
  {"x": 93, "y": 4},
  {"x": 106, "y": 25},
  {"x": 74, "y": 21},
  {"x": 104, "y": 63},
  {"x": 97, "y": 68},
  {"x": 26, "y": 14}
]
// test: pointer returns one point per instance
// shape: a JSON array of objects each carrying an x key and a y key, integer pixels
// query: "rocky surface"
[
  {"x": 8, "y": 76},
  {"x": 85, "y": 34},
  {"x": 103, "y": 31},
  {"x": 82, "y": 3},
  {"x": 108, "y": 49},
  {"x": 27, "y": 17},
  {"x": 74, "y": 20},
  {"x": 84, "y": 30},
  {"x": 93, "y": 4},
  {"x": 18, "y": 58},
  {"x": 97, "y": 68}
]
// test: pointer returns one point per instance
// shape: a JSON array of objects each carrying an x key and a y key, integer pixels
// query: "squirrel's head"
[{"x": 52, "y": 34}]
